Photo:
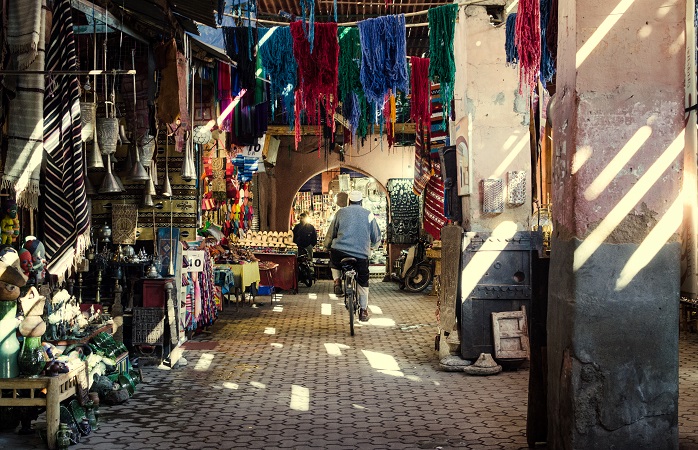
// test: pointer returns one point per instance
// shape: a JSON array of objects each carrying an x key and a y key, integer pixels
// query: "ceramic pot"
[
  {"x": 9, "y": 345},
  {"x": 63, "y": 437},
  {"x": 32, "y": 359}
]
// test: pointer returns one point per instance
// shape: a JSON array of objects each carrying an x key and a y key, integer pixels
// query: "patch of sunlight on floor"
[
  {"x": 395, "y": 373},
  {"x": 277, "y": 345},
  {"x": 258, "y": 385},
  {"x": 413, "y": 378},
  {"x": 375, "y": 309},
  {"x": 229, "y": 385},
  {"x": 436, "y": 383},
  {"x": 278, "y": 308},
  {"x": 381, "y": 322},
  {"x": 333, "y": 349},
  {"x": 326, "y": 309},
  {"x": 381, "y": 361},
  {"x": 270, "y": 330},
  {"x": 300, "y": 398},
  {"x": 312, "y": 296},
  {"x": 333, "y": 297},
  {"x": 204, "y": 362},
  {"x": 358, "y": 406},
  {"x": 343, "y": 346}
]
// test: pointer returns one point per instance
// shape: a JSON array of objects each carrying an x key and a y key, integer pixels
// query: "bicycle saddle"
[{"x": 347, "y": 261}]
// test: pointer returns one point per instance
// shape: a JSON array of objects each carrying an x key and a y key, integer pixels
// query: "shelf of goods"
[{"x": 275, "y": 247}]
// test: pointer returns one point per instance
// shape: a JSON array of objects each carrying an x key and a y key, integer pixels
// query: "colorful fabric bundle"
[
  {"x": 383, "y": 57},
  {"x": 246, "y": 167},
  {"x": 442, "y": 64},
  {"x": 527, "y": 40},
  {"x": 25, "y": 118},
  {"x": 547, "y": 65},
  {"x": 512, "y": 56},
  {"x": 317, "y": 71},
  {"x": 349, "y": 62},
  {"x": 65, "y": 215},
  {"x": 420, "y": 111},
  {"x": 276, "y": 55}
]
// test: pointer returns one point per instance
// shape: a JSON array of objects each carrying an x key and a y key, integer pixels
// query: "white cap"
[{"x": 355, "y": 196}]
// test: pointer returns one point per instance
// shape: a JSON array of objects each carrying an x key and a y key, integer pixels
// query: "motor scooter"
[
  {"x": 413, "y": 270},
  {"x": 306, "y": 270}
]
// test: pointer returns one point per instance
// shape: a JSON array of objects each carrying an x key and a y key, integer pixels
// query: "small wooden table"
[{"x": 57, "y": 388}]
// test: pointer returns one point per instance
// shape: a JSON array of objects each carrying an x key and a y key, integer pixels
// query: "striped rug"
[{"x": 65, "y": 213}]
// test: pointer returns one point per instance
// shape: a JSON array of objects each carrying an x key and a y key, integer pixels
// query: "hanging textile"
[
  {"x": 420, "y": 112},
  {"x": 383, "y": 57},
  {"x": 434, "y": 218},
  {"x": 317, "y": 72},
  {"x": 442, "y": 64},
  {"x": 551, "y": 30},
  {"x": 171, "y": 102},
  {"x": 65, "y": 215},
  {"x": 124, "y": 220},
  {"x": 547, "y": 65},
  {"x": 349, "y": 73},
  {"x": 224, "y": 94},
  {"x": 26, "y": 40},
  {"x": 276, "y": 54},
  {"x": 404, "y": 212},
  {"x": 512, "y": 56},
  {"x": 422, "y": 166},
  {"x": 527, "y": 40},
  {"x": 238, "y": 45},
  {"x": 438, "y": 133}
]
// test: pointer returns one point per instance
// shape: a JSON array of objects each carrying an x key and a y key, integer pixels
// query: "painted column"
[{"x": 614, "y": 272}]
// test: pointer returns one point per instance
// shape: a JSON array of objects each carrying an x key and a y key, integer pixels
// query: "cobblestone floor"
[{"x": 288, "y": 375}]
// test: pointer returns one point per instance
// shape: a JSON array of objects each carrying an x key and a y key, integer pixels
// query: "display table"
[
  {"x": 57, "y": 388},
  {"x": 245, "y": 275},
  {"x": 286, "y": 275}
]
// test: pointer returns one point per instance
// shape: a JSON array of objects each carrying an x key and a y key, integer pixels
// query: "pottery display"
[
  {"x": 63, "y": 437},
  {"x": 32, "y": 358}
]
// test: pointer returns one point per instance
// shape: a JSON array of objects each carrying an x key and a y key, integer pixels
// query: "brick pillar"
[{"x": 618, "y": 126}]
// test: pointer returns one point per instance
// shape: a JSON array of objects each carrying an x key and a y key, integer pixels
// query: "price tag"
[{"x": 195, "y": 258}]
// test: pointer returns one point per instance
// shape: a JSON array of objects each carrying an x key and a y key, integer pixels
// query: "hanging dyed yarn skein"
[
  {"x": 276, "y": 54},
  {"x": 442, "y": 65},
  {"x": 527, "y": 39}
]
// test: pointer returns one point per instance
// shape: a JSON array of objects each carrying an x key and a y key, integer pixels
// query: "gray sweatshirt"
[{"x": 354, "y": 231}]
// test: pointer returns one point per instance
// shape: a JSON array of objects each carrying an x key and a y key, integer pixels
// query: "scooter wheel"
[{"x": 418, "y": 278}]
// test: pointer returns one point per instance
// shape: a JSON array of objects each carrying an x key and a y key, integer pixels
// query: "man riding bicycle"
[{"x": 352, "y": 233}]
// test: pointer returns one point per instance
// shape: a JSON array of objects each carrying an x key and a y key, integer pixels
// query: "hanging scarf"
[
  {"x": 547, "y": 65},
  {"x": 237, "y": 46},
  {"x": 420, "y": 112},
  {"x": 26, "y": 112},
  {"x": 527, "y": 40},
  {"x": 317, "y": 73},
  {"x": 276, "y": 54},
  {"x": 512, "y": 56},
  {"x": 224, "y": 94},
  {"x": 383, "y": 57},
  {"x": 442, "y": 65},
  {"x": 65, "y": 215}
]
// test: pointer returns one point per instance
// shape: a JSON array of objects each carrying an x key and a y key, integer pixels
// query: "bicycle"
[{"x": 351, "y": 294}]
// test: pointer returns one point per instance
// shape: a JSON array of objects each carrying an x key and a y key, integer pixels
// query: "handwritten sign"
[{"x": 195, "y": 258}]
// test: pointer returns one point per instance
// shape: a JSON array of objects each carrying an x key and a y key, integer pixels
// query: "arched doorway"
[{"x": 325, "y": 192}]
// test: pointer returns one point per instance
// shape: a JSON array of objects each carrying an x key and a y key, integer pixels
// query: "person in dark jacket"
[{"x": 305, "y": 236}]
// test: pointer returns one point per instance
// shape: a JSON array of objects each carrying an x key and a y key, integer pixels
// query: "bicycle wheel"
[{"x": 349, "y": 294}]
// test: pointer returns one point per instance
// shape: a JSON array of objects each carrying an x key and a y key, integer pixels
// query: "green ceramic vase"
[
  {"x": 32, "y": 358},
  {"x": 63, "y": 437},
  {"x": 9, "y": 345}
]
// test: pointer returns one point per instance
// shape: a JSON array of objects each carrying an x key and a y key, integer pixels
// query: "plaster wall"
[
  {"x": 293, "y": 169},
  {"x": 490, "y": 117},
  {"x": 614, "y": 272}
]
